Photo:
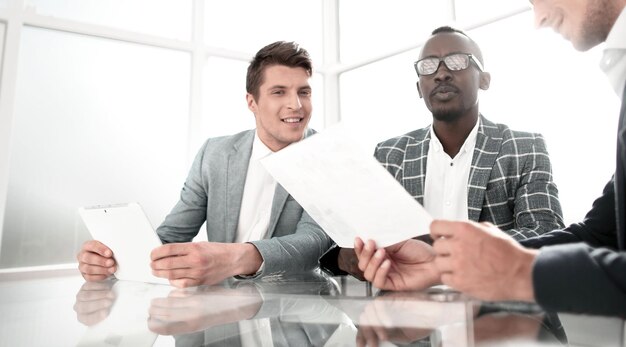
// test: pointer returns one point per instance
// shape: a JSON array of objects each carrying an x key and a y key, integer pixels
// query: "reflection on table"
[{"x": 307, "y": 310}]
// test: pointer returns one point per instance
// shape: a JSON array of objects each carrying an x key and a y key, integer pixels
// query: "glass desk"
[{"x": 306, "y": 310}]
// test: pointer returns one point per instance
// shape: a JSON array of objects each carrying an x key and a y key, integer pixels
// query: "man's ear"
[
  {"x": 419, "y": 91},
  {"x": 485, "y": 80},
  {"x": 251, "y": 102}
]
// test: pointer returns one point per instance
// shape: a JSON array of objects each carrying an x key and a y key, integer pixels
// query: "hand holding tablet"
[{"x": 125, "y": 229}]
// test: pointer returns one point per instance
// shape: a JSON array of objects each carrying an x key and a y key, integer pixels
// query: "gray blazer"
[
  {"x": 212, "y": 193},
  {"x": 510, "y": 182}
]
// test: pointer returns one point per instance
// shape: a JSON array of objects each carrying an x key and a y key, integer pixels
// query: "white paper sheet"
[{"x": 346, "y": 191}]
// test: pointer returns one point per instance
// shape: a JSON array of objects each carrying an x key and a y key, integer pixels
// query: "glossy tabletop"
[{"x": 306, "y": 310}]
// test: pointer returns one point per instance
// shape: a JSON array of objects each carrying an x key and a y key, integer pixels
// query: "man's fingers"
[
  {"x": 358, "y": 246},
  {"x": 171, "y": 263},
  {"x": 186, "y": 282},
  {"x": 443, "y": 228},
  {"x": 369, "y": 249},
  {"x": 182, "y": 278},
  {"x": 100, "y": 266},
  {"x": 95, "y": 259},
  {"x": 176, "y": 274},
  {"x": 444, "y": 264},
  {"x": 95, "y": 270},
  {"x": 97, "y": 247},
  {"x": 380, "y": 277},
  {"x": 374, "y": 264},
  {"x": 366, "y": 254},
  {"x": 169, "y": 250},
  {"x": 442, "y": 246}
]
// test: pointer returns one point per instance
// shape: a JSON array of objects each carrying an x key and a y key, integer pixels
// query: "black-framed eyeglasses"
[{"x": 454, "y": 62}]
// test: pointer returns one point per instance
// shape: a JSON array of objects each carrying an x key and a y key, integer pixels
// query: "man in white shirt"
[
  {"x": 581, "y": 268},
  {"x": 254, "y": 227},
  {"x": 463, "y": 166}
]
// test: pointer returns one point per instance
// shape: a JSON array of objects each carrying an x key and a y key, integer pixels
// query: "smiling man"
[
  {"x": 463, "y": 166},
  {"x": 254, "y": 227}
]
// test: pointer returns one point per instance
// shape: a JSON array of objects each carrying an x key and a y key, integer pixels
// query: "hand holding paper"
[{"x": 346, "y": 191}]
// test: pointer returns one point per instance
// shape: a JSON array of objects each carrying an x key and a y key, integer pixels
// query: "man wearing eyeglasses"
[
  {"x": 463, "y": 166},
  {"x": 581, "y": 268}
]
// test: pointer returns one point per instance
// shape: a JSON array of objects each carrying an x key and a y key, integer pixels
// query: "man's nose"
[
  {"x": 294, "y": 102},
  {"x": 442, "y": 73}
]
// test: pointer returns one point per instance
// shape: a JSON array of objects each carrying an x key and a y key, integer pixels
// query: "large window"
[
  {"x": 165, "y": 18},
  {"x": 247, "y": 25},
  {"x": 96, "y": 121},
  {"x": 369, "y": 28}
]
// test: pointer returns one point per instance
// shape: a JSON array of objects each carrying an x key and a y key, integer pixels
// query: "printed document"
[{"x": 346, "y": 190}]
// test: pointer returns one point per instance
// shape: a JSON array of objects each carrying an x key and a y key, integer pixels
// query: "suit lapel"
[
  {"x": 415, "y": 162},
  {"x": 236, "y": 169},
  {"x": 488, "y": 142},
  {"x": 280, "y": 197}
]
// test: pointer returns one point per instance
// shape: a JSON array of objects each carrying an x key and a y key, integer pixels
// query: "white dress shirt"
[
  {"x": 445, "y": 187},
  {"x": 254, "y": 220},
  {"x": 258, "y": 195},
  {"x": 613, "y": 61}
]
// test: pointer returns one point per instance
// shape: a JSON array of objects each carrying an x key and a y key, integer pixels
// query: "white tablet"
[{"x": 126, "y": 230}]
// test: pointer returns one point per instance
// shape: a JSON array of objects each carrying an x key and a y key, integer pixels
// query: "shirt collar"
[
  {"x": 468, "y": 145},
  {"x": 470, "y": 142},
  {"x": 613, "y": 62},
  {"x": 259, "y": 149},
  {"x": 617, "y": 36}
]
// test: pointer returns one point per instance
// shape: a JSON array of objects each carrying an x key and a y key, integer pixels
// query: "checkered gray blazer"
[{"x": 510, "y": 180}]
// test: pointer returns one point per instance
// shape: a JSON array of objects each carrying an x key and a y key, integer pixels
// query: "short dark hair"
[
  {"x": 450, "y": 30},
  {"x": 289, "y": 54}
]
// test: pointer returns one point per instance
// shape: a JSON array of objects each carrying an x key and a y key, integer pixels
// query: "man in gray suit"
[
  {"x": 463, "y": 166},
  {"x": 254, "y": 227}
]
